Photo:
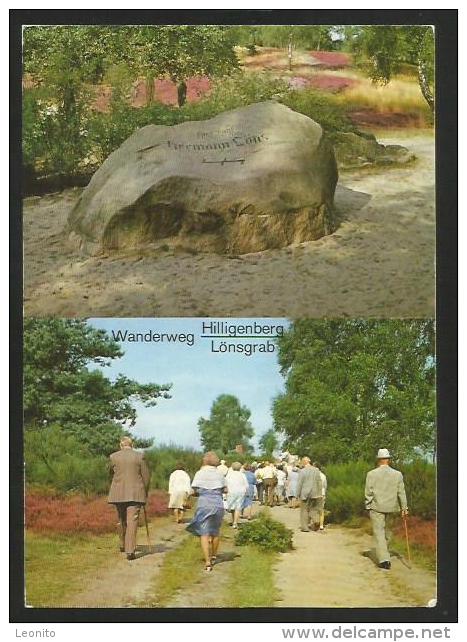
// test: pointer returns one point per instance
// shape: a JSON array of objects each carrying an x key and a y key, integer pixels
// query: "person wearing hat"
[{"x": 384, "y": 494}]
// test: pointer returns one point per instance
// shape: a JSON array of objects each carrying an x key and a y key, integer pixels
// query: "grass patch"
[
  {"x": 182, "y": 567},
  {"x": 57, "y": 566},
  {"x": 421, "y": 555},
  {"x": 252, "y": 580},
  {"x": 399, "y": 95}
]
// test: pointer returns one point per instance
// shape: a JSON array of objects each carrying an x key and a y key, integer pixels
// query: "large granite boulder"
[{"x": 258, "y": 177}]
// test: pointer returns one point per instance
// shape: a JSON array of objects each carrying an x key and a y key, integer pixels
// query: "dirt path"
[
  {"x": 334, "y": 570},
  {"x": 127, "y": 583},
  {"x": 212, "y": 588},
  {"x": 379, "y": 262}
]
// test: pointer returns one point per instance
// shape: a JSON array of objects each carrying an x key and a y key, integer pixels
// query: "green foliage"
[
  {"x": 61, "y": 390},
  {"x": 57, "y": 460},
  {"x": 420, "y": 484},
  {"x": 228, "y": 425},
  {"x": 345, "y": 498},
  {"x": 181, "y": 51},
  {"x": 265, "y": 533},
  {"x": 269, "y": 442},
  {"x": 352, "y": 385},
  {"x": 321, "y": 108},
  {"x": 301, "y": 36},
  {"x": 163, "y": 459},
  {"x": 383, "y": 48},
  {"x": 239, "y": 90}
]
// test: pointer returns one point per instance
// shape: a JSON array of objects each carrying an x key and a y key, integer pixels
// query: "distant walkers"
[{"x": 384, "y": 494}]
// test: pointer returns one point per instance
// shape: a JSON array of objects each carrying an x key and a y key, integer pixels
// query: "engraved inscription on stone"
[{"x": 214, "y": 185}]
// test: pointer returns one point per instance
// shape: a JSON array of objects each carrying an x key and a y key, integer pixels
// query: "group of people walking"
[{"x": 220, "y": 488}]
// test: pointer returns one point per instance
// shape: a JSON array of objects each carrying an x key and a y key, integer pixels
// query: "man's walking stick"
[
  {"x": 147, "y": 526},
  {"x": 404, "y": 517}
]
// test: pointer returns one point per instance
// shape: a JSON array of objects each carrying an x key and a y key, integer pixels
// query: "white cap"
[
  {"x": 383, "y": 453},
  {"x": 222, "y": 461}
]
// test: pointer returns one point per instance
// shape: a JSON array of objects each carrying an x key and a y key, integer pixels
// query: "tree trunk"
[
  {"x": 149, "y": 88},
  {"x": 425, "y": 85},
  {"x": 181, "y": 93}
]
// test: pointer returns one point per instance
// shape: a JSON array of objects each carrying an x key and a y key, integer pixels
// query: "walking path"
[
  {"x": 334, "y": 569},
  {"x": 126, "y": 583},
  {"x": 330, "y": 569}
]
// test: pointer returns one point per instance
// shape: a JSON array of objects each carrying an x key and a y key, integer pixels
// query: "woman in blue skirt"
[
  {"x": 209, "y": 485},
  {"x": 248, "y": 499}
]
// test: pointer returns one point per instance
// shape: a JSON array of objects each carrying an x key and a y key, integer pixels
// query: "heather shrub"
[
  {"x": 77, "y": 513},
  {"x": 265, "y": 533}
]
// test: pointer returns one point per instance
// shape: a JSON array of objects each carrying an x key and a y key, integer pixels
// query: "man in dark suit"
[{"x": 128, "y": 492}]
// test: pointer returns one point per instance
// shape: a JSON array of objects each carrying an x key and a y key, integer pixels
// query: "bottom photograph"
[{"x": 229, "y": 463}]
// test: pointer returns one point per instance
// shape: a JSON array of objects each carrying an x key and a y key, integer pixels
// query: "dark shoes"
[
  {"x": 385, "y": 565},
  {"x": 305, "y": 530},
  {"x": 130, "y": 556}
]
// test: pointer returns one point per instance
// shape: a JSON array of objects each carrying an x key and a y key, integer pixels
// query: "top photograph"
[{"x": 228, "y": 170}]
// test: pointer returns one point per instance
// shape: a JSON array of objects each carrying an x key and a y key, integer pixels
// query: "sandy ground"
[
  {"x": 126, "y": 583},
  {"x": 335, "y": 569},
  {"x": 379, "y": 262}
]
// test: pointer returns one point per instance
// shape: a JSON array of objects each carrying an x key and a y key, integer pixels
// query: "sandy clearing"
[
  {"x": 334, "y": 570},
  {"x": 379, "y": 262}
]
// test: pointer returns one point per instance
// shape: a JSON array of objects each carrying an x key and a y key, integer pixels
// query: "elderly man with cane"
[
  {"x": 384, "y": 495},
  {"x": 128, "y": 492}
]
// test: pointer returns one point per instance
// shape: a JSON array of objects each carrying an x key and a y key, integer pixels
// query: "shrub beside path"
[{"x": 334, "y": 570}]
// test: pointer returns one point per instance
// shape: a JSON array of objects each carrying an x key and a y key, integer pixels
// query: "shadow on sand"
[
  {"x": 371, "y": 554},
  {"x": 349, "y": 201},
  {"x": 143, "y": 550}
]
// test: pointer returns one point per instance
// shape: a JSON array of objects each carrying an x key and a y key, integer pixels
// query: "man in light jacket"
[
  {"x": 310, "y": 492},
  {"x": 384, "y": 494},
  {"x": 128, "y": 491}
]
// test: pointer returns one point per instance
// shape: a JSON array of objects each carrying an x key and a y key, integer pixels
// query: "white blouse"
[{"x": 179, "y": 482}]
